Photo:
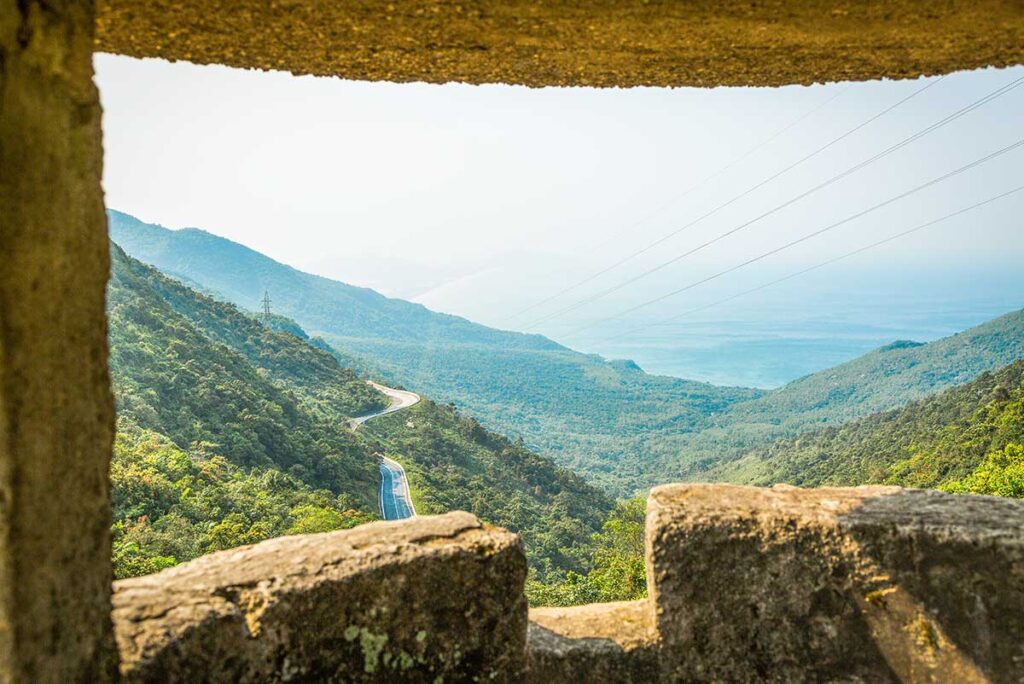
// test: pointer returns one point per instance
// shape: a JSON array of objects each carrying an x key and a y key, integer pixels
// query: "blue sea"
[{"x": 770, "y": 348}]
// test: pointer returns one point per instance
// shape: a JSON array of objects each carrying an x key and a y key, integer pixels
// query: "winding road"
[{"x": 394, "y": 499}]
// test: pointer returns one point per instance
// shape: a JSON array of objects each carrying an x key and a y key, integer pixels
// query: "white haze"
[{"x": 482, "y": 200}]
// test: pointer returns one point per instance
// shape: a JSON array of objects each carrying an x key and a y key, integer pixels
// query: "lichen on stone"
[{"x": 372, "y": 644}]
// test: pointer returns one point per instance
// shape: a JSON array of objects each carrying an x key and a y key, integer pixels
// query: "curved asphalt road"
[{"x": 394, "y": 498}]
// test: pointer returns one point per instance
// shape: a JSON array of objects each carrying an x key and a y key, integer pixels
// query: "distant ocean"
[{"x": 770, "y": 350}]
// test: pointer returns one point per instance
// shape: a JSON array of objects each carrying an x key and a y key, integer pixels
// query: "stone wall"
[
  {"x": 866, "y": 584},
  {"x": 56, "y": 411},
  {"x": 613, "y": 643},
  {"x": 427, "y": 599}
]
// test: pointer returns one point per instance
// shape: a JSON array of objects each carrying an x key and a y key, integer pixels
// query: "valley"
[
  {"x": 277, "y": 429},
  {"x": 621, "y": 428},
  {"x": 232, "y": 430}
]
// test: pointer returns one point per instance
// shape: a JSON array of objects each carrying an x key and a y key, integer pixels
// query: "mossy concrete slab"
[
  {"x": 837, "y": 584},
  {"x": 434, "y": 598}
]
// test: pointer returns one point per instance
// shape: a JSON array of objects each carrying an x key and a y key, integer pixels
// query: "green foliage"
[
  {"x": 233, "y": 432},
  {"x": 888, "y": 377},
  {"x": 266, "y": 399},
  {"x": 574, "y": 590},
  {"x": 1000, "y": 474},
  {"x": 281, "y": 351},
  {"x": 618, "y": 570},
  {"x": 623, "y": 429},
  {"x": 966, "y": 439},
  {"x": 201, "y": 372},
  {"x": 453, "y": 463},
  {"x": 171, "y": 505},
  {"x": 602, "y": 419},
  {"x": 589, "y": 414}
]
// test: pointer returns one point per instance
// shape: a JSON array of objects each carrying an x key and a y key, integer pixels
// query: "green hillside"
[
  {"x": 230, "y": 432},
  {"x": 585, "y": 412},
  {"x": 890, "y": 376},
  {"x": 968, "y": 438},
  {"x": 588, "y": 414},
  {"x": 627, "y": 430},
  {"x": 171, "y": 504},
  {"x": 886, "y": 378},
  {"x": 174, "y": 374},
  {"x": 453, "y": 463},
  {"x": 623, "y": 429}
]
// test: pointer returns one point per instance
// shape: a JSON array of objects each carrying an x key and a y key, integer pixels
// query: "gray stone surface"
[
  {"x": 604, "y": 643},
  {"x": 56, "y": 410},
  {"x": 857, "y": 584},
  {"x": 412, "y": 600}
]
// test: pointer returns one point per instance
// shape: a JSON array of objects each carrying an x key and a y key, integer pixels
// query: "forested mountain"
[
  {"x": 241, "y": 275},
  {"x": 586, "y": 412},
  {"x": 608, "y": 420},
  {"x": 231, "y": 431},
  {"x": 175, "y": 374},
  {"x": 890, "y": 376},
  {"x": 968, "y": 438},
  {"x": 592, "y": 416},
  {"x": 172, "y": 504},
  {"x": 886, "y": 378}
]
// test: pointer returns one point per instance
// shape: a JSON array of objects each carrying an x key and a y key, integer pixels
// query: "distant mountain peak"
[{"x": 321, "y": 305}]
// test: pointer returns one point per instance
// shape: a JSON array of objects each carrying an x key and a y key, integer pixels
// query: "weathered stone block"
[
  {"x": 427, "y": 599},
  {"x": 860, "y": 584},
  {"x": 604, "y": 643},
  {"x": 56, "y": 409}
]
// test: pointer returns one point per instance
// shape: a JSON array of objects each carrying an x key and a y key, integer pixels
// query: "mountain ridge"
[
  {"x": 939, "y": 441},
  {"x": 569, "y": 405},
  {"x": 608, "y": 420},
  {"x": 176, "y": 252},
  {"x": 232, "y": 430}
]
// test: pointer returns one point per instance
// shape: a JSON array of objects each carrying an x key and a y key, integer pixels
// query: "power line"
[
  {"x": 853, "y": 169},
  {"x": 895, "y": 198},
  {"x": 828, "y": 262},
  {"x": 736, "y": 198},
  {"x": 685, "y": 193},
  {"x": 903, "y": 143}
]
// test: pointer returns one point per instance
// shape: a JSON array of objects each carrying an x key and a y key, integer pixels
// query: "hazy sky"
[{"x": 481, "y": 200}]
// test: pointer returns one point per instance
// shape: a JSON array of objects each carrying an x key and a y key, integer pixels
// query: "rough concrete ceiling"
[{"x": 576, "y": 42}]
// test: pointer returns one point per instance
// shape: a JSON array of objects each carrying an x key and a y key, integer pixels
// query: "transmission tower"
[{"x": 266, "y": 307}]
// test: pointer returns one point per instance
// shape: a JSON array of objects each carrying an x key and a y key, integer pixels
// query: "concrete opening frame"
[{"x": 56, "y": 406}]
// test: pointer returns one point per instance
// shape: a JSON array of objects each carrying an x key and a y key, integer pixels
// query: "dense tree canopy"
[
  {"x": 453, "y": 463},
  {"x": 966, "y": 439},
  {"x": 621, "y": 428},
  {"x": 171, "y": 505},
  {"x": 617, "y": 566},
  {"x": 233, "y": 430}
]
